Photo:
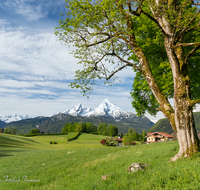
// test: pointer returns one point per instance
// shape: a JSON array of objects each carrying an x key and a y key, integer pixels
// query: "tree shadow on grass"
[
  {"x": 9, "y": 141},
  {"x": 10, "y": 145},
  {"x": 9, "y": 152}
]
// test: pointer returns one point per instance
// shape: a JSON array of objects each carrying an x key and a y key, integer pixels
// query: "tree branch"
[
  {"x": 182, "y": 33},
  {"x": 154, "y": 20},
  {"x": 191, "y": 53},
  {"x": 137, "y": 9},
  {"x": 193, "y": 102},
  {"x": 188, "y": 44},
  {"x": 117, "y": 70},
  {"x": 99, "y": 42}
]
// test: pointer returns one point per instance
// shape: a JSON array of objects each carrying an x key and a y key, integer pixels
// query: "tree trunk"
[
  {"x": 184, "y": 125},
  {"x": 185, "y": 130}
]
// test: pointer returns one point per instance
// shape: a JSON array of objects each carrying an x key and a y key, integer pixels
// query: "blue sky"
[{"x": 35, "y": 68}]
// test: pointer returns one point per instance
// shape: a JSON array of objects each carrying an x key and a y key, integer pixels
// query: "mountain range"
[
  {"x": 106, "y": 112},
  {"x": 106, "y": 108},
  {"x": 11, "y": 118}
]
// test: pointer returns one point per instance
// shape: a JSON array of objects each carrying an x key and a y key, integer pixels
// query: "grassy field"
[{"x": 79, "y": 165}]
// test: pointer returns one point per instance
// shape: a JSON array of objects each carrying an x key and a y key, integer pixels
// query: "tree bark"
[
  {"x": 184, "y": 125},
  {"x": 185, "y": 129}
]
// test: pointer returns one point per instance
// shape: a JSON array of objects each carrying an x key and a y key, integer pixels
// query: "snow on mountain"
[
  {"x": 106, "y": 108},
  {"x": 11, "y": 118}
]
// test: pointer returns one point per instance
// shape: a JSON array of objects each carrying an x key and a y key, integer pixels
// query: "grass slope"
[{"x": 81, "y": 163}]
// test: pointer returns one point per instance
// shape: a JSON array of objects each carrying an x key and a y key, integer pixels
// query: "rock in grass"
[
  {"x": 135, "y": 167},
  {"x": 105, "y": 177}
]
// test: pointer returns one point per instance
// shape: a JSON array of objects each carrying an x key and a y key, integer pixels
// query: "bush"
[
  {"x": 53, "y": 142},
  {"x": 34, "y": 132},
  {"x": 75, "y": 137},
  {"x": 109, "y": 142},
  {"x": 133, "y": 143},
  {"x": 1, "y": 130},
  {"x": 103, "y": 142}
]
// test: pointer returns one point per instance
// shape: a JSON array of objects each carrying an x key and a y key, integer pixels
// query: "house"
[
  {"x": 158, "y": 137},
  {"x": 119, "y": 140}
]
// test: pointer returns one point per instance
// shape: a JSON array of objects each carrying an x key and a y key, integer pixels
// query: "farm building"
[{"x": 158, "y": 137}]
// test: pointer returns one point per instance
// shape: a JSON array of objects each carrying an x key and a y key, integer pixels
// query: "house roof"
[
  {"x": 161, "y": 133},
  {"x": 119, "y": 139}
]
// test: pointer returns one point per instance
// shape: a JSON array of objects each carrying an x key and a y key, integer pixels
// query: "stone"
[
  {"x": 105, "y": 177},
  {"x": 134, "y": 167}
]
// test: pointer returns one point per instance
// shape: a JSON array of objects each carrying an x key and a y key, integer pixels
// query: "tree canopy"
[{"x": 159, "y": 40}]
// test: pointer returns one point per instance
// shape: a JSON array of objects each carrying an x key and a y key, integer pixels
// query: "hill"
[
  {"x": 163, "y": 125},
  {"x": 2, "y": 124},
  {"x": 55, "y": 123}
]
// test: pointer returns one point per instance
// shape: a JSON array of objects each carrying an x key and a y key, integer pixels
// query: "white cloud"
[
  {"x": 38, "y": 55},
  {"x": 4, "y": 22},
  {"x": 25, "y": 9}
]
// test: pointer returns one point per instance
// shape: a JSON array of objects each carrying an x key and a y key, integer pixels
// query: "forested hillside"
[
  {"x": 2, "y": 124},
  {"x": 55, "y": 123},
  {"x": 163, "y": 125}
]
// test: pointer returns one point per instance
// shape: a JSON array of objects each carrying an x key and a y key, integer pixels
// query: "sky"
[{"x": 36, "y": 68}]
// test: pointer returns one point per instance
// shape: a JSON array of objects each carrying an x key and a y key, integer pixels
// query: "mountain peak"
[{"x": 15, "y": 117}]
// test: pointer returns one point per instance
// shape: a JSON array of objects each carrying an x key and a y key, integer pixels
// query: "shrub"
[
  {"x": 103, "y": 142},
  {"x": 133, "y": 143},
  {"x": 1, "y": 130},
  {"x": 54, "y": 142},
  {"x": 34, "y": 132},
  {"x": 75, "y": 137},
  {"x": 111, "y": 142}
]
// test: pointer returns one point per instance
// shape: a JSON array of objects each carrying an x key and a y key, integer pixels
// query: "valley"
[{"x": 80, "y": 164}]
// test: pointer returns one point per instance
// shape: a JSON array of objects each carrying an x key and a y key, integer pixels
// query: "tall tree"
[
  {"x": 112, "y": 130},
  {"x": 158, "y": 39}
]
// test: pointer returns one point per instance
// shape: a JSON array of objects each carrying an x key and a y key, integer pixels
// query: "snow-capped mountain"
[
  {"x": 11, "y": 118},
  {"x": 106, "y": 108}
]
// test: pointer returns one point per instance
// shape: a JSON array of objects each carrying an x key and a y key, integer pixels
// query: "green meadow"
[{"x": 34, "y": 163}]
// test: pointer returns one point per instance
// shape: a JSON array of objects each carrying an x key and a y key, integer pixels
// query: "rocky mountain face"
[{"x": 106, "y": 108}]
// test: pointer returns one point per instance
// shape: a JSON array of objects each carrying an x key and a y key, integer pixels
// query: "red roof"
[
  {"x": 119, "y": 139},
  {"x": 162, "y": 133}
]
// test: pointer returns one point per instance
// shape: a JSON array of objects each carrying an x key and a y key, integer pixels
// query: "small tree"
[
  {"x": 102, "y": 129},
  {"x": 14, "y": 131},
  {"x": 7, "y": 130},
  {"x": 1, "y": 130},
  {"x": 113, "y": 130},
  {"x": 143, "y": 136},
  {"x": 79, "y": 127},
  {"x": 34, "y": 131}
]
